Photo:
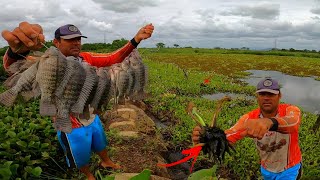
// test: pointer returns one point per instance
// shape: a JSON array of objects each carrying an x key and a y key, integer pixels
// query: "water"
[{"x": 301, "y": 91}]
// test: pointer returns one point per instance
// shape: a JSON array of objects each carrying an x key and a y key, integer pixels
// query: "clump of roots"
[
  {"x": 213, "y": 139},
  {"x": 215, "y": 143}
]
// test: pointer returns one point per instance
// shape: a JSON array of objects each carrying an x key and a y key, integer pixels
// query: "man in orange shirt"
[
  {"x": 274, "y": 128},
  {"x": 86, "y": 135}
]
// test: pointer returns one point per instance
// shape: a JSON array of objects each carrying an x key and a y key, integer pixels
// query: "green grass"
[{"x": 233, "y": 64}]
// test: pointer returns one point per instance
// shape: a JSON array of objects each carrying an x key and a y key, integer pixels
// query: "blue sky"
[{"x": 203, "y": 23}]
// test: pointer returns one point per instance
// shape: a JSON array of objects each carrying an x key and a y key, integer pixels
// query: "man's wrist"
[
  {"x": 275, "y": 124},
  {"x": 16, "y": 56},
  {"x": 134, "y": 42}
]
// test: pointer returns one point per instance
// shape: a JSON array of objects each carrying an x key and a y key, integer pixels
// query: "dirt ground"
[{"x": 137, "y": 144}]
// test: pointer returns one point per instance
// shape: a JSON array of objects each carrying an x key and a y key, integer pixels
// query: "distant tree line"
[{"x": 116, "y": 44}]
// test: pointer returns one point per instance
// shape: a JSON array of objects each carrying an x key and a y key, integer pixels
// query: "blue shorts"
[
  {"x": 292, "y": 173},
  {"x": 79, "y": 144}
]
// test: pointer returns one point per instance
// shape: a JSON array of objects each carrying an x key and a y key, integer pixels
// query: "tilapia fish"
[
  {"x": 18, "y": 67},
  {"x": 121, "y": 83},
  {"x": 67, "y": 92},
  {"x": 125, "y": 65},
  {"x": 140, "y": 71},
  {"x": 47, "y": 79},
  {"x": 24, "y": 83},
  {"x": 90, "y": 81},
  {"x": 109, "y": 88},
  {"x": 103, "y": 84}
]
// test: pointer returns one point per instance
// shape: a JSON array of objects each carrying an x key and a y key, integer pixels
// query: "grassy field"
[
  {"x": 176, "y": 76},
  {"x": 233, "y": 63},
  {"x": 172, "y": 90}
]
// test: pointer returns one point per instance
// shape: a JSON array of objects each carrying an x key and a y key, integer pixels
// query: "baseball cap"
[
  {"x": 268, "y": 85},
  {"x": 68, "y": 31}
]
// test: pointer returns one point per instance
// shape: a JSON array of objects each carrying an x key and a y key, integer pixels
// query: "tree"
[
  {"x": 176, "y": 45},
  {"x": 160, "y": 45},
  {"x": 118, "y": 43}
]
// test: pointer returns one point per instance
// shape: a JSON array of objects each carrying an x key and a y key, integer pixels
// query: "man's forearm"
[
  {"x": 290, "y": 122},
  {"x": 102, "y": 60}
]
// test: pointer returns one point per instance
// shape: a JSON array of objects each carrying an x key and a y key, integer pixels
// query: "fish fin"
[
  {"x": 12, "y": 80},
  {"x": 61, "y": 87},
  {"x": 63, "y": 124},
  {"x": 36, "y": 90},
  {"x": 47, "y": 109},
  {"x": 27, "y": 95},
  {"x": 8, "y": 97}
]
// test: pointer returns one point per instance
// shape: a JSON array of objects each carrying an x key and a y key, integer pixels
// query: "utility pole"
[{"x": 275, "y": 43}]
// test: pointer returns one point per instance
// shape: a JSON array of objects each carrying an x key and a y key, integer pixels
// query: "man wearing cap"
[
  {"x": 274, "y": 128},
  {"x": 86, "y": 135}
]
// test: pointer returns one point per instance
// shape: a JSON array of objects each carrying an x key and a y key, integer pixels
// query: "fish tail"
[
  {"x": 47, "y": 108},
  {"x": 63, "y": 124},
  {"x": 8, "y": 97}
]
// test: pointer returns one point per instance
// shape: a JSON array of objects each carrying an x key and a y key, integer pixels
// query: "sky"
[{"x": 203, "y": 23}]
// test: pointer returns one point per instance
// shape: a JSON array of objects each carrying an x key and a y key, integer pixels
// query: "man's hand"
[
  {"x": 25, "y": 37},
  {"x": 196, "y": 133},
  {"x": 256, "y": 128},
  {"x": 144, "y": 33}
]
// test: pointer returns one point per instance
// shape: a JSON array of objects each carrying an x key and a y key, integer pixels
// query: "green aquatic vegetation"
[
  {"x": 231, "y": 64},
  {"x": 28, "y": 143}
]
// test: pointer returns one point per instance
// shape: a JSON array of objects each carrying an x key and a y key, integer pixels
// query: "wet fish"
[
  {"x": 121, "y": 83},
  {"x": 12, "y": 80},
  {"x": 125, "y": 65},
  {"x": 90, "y": 81},
  {"x": 18, "y": 67},
  {"x": 24, "y": 83},
  {"x": 103, "y": 81},
  {"x": 32, "y": 93},
  {"x": 47, "y": 79},
  {"x": 141, "y": 72},
  {"x": 66, "y": 69},
  {"x": 109, "y": 89},
  {"x": 69, "y": 90}
]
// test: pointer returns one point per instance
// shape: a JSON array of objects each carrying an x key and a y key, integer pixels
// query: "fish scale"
[
  {"x": 46, "y": 77},
  {"x": 126, "y": 67},
  {"x": 25, "y": 82},
  {"x": 108, "y": 89},
  {"x": 140, "y": 77},
  {"x": 121, "y": 83},
  {"x": 101, "y": 87}
]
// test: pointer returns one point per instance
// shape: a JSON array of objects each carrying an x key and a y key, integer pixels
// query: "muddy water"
[{"x": 301, "y": 91}]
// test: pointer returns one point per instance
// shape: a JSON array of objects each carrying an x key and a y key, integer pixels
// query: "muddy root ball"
[{"x": 216, "y": 143}]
